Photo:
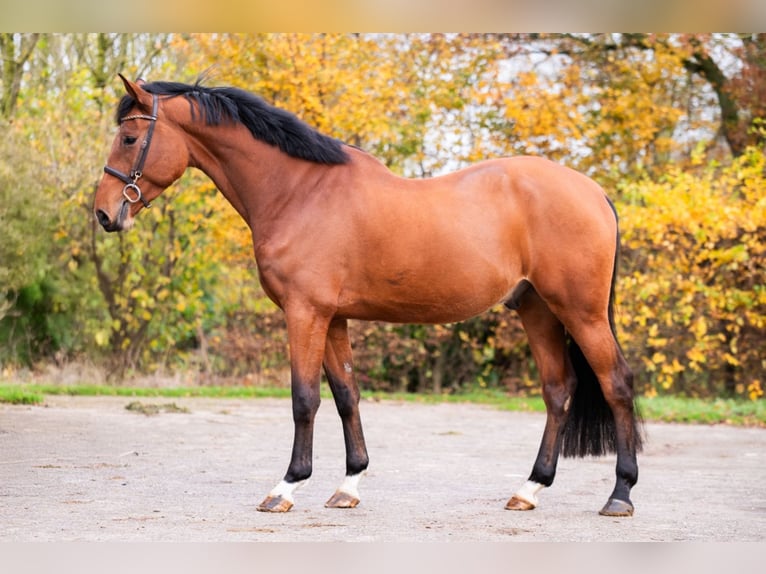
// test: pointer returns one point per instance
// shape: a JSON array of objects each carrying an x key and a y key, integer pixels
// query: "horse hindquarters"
[
  {"x": 604, "y": 416},
  {"x": 587, "y": 385}
]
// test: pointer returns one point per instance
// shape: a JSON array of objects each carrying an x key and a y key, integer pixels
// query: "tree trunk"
[
  {"x": 439, "y": 367},
  {"x": 15, "y": 50},
  {"x": 731, "y": 128}
]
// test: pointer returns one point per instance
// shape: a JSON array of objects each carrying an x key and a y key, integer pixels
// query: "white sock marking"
[
  {"x": 529, "y": 491},
  {"x": 350, "y": 485},
  {"x": 286, "y": 489}
]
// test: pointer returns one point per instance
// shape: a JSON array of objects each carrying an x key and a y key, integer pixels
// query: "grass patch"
[
  {"x": 85, "y": 390},
  {"x": 17, "y": 395},
  {"x": 740, "y": 412},
  {"x": 664, "y": 409}
]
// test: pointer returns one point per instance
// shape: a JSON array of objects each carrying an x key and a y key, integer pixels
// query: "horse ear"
[{"x": 136, "y": 91}]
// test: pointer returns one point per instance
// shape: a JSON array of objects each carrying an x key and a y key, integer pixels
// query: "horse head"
[{"x": 147, "y": 156}]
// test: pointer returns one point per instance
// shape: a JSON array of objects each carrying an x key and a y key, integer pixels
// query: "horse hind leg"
[
  {"x": 548, "y": 343},
  {"x": 619, "y": 426},
  {"x": 338, "y": 367}
]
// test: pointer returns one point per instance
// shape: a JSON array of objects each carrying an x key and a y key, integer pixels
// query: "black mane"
[{"x": 268, "y": 124}]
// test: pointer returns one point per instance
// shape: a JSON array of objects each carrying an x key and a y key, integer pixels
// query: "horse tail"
[{"x": 590, "y": 427}]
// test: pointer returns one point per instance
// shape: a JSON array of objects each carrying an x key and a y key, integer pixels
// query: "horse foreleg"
[
  {"x": 306, "y": 333},
  {"x": 548, "y": 344},
  {"x": 340, "y": 374}
]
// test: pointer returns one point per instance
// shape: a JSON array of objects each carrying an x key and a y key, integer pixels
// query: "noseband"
[{"x": 131, "y": 181}]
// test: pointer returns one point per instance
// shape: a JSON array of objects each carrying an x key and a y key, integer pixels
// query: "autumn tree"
[
  {"x": 25, "y": 301},
  {"x": 702, "y": 74},
  {"x": 89, "y": 290},
  {"x": 741, "y": 93},
  {"x": 693, "y": 303},
  {"x": 15, "y": 50}
]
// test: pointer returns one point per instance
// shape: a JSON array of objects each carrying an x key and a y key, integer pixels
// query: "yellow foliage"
[
  {"x": 754, "y": 390},
  {"x": 692, "y": 295}
]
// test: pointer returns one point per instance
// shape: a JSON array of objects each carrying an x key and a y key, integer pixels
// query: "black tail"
[{"x": 590, "y": 427}]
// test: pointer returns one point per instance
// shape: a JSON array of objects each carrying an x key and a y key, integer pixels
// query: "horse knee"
[
  {"x": 347, "y": 405},
  {"x": 346, "y": 397},
  {"x": 305, "y": 404}
]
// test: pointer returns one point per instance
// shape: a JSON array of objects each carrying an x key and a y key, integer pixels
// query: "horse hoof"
[
  {"x": 342, "y": 500},
  {"x": 516, "y": 503},
  {"x": 616, "y": 507},
  {"x": 275, "y": 504}
]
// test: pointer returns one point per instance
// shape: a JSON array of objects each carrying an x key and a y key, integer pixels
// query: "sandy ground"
[{"x": 88, "y": 469}]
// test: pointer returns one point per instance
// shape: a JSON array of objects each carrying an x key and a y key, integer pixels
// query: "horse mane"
[{"x": 269, "y": 124}]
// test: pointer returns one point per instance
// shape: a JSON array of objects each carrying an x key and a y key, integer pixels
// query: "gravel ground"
[{"x": 86, "y": 468}]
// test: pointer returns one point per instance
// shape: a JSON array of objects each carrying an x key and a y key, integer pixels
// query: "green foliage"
[
  {"x": 157, "y": 281},
  {"x": 740, "y": 412},
  {"x": 23, "y": 207},
  {"x": 16, "y": 395},
  {"x": 35, "y": 391},
  {"x": 34, "y": 326}
]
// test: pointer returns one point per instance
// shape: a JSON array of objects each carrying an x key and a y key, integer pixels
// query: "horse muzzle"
[{"x": 120, "y": 223}]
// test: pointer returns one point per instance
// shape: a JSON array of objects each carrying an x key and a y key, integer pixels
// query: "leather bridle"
[{"x": 131, "y": 181}]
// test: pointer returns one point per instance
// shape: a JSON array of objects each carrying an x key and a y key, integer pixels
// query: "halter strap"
[{"x": 131, "y": 181}]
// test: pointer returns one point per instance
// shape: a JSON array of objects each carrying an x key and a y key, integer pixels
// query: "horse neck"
[{"x": 257, "y": 179}]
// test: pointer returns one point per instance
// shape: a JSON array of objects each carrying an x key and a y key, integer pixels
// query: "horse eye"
[{"x": 129, "y": 140}]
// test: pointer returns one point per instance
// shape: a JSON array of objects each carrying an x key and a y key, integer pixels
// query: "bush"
[{"x": 693, "y": 286}]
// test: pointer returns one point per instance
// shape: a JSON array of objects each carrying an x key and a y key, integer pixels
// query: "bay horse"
[{"x": 337, "y": 236}]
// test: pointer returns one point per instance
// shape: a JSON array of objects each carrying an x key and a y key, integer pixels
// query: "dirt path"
[{"x": 88, "y": 469}]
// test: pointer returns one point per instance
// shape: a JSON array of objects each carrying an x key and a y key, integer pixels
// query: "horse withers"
[{"x": 337, "y": 236}]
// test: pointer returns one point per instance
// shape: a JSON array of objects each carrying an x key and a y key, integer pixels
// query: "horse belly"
[{"x": 429, "y": 290}]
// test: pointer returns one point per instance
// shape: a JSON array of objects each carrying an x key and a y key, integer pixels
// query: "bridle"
[{"x": 131, "y": 181}]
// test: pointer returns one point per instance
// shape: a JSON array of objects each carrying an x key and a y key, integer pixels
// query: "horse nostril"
[{"x": 103, "y": 218}]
